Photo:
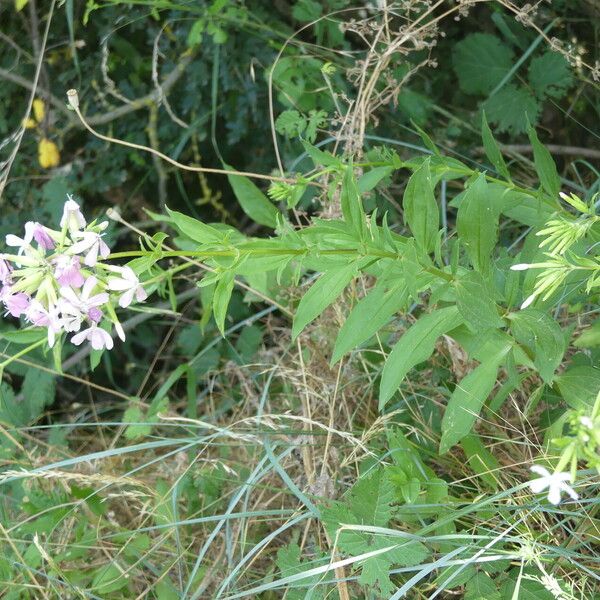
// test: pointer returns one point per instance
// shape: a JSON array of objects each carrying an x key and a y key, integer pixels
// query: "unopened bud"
[{"x": 73, "y": 98}]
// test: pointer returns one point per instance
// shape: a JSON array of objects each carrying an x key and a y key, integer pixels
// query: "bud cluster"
[{"x": 60, "y": 280}]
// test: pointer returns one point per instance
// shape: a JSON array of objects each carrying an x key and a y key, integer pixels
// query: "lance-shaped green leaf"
[
  {"x": 322, "y": 293},
  {"x": 369, "y": 315},
  {"x": 477, "y": 224},
  {"x": 475, "y": 302},
  {"x": 544, "y": 165},
  {"x": 540, "y": 333},
  {"x": 194, "y": 229},
  {"x": 253, "y": 202},
  {"x": 421, "y": 212},
  {"x": 351, "y": 202},
  {"x": 492, "y": 149},
  {"x": 415, "y": 346},
  {"x": 468, "y": 398},
  {"x": 221, "y": 298}
]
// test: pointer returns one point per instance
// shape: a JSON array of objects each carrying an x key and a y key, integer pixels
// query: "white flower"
[
  {"x": 72, "y": 317},
  {"x": 40, "y": 317},
  {"x": 91, "y": 243},
  {"x": 72, "y": 218},
  {"x": 24, "y": 243},
  {"x": 129, "y": 284},
  {"x": 555, "y": 482},
  {"x": 528, "y": 301},
  {"x": 96, "y": 336},
  {"x": 85, "y": 301}
]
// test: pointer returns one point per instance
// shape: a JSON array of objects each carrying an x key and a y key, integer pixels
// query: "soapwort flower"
[{"x": 66, "y": 284}]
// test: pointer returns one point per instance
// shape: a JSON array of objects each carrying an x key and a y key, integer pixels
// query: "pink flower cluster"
[{"x": 60, "y": 280}]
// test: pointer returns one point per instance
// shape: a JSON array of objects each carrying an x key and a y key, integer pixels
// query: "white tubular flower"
[
  {"x": 98, "y": 338},
  {"x": 91, "y": 243},
  {"x": 528, "y": 301},
  {"x": 129, "y": 284},
  {"x": 555, "y": 482},
  {"x": 24, "y": 243},
  {"x": 520, "y": 267},
  {"x": 72, "y": 218},
  {"x": 85, "y": 301}
]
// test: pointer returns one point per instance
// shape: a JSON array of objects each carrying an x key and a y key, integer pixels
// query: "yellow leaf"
[
  {"x": 29, "y": 123},
  {"x": 48, "y": 154},
  {"x": 20, "y": 4},
  {"x": 39, "y": 109}
]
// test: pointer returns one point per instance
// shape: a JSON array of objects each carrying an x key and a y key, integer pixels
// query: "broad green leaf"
[
  {"x": 550, "y": 75},
  {"x": 369, "y": 315},
  {"x": 109, "y": 578},
  {"x": 481, "y": 587},
  {"x": 221, "y": 298},
  {"x": 589, "y": 337},
  {"x": 253, "y": 202},
  {"x": 481, "y": 460},
  {"x": 544, "y": 165},
  {"x": 415, "y": 346},
  {"x": 11, "y": 411},
  {"x": 475, "y": 302},
  {"x": 421, "y": 212},
  {"x": 321, "y": 294},
  {"x": 371, "y": 178},
  {"x": 481, "y": 61},
  {"x": 38, "y": 392},
  {"x": 492, "y": 149},
  {"x": 24, "y": 336},
  {"x": 511, "y": 109},
  {"x": 194, "y": 229},
  {"x": 543, "y": 336},
  {"x": 467, "y": 399},
  {"x": 579, "y": 386},
  {"x": 517, "y": 587},
  {"x": 477, "y": 224}
]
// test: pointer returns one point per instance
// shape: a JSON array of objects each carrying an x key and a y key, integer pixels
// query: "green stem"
[{"x": 25, "y": 350}]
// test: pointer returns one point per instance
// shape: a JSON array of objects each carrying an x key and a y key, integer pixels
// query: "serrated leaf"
[
  {"x": 481, "y": 587},
  {"x": 316, "y": 119},
  {"x": 415, "y": 346},
  {"x": 321, "y": 294},
  {"x": 290, "y": 123},
  {"x": 544, "y": 165},
  {"x": 467, "y": 399},
  {"x": 477, "y": 224},
  {"x": 511, "y": 109},
  {"x": 543, "y": 336},
  {"x": 550, "y": 75},
  {"x": 421, "y": 212},
  {"x": 492, "y": 150},
  {"x": 481, "y": 61},
  {"x": 253, "y": 202},
  {"x": 369, "y": 315},
  {"x": 475, "y": 302},
  {"x": 38, "y": 391}
]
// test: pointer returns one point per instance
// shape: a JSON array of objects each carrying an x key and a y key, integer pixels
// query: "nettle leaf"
[
  {"x": 415, "y": 346},
  {"x": 370, "y": 503},
  {"x": 38, "y": 391},
  {"x": 307, "y": 10},
  {"x": 544, "y": 165},
  {"x": 321, "y": 294},
  {"x": 468, "y": 398},
  {"x": 421, "y": 212},
  {"x": 475, "y": 302},
  {"x": 550, "y": 75},
  {"x": 194, "y": 229},
  {"x": 543, "y": 336},
  {"x": 253, "y": 202},
  {"x": 492, "y": 150},
  {"x": 368, "y": 316},
  {"x": 481, "y": 61},
  {"x": 579, "y": 386},
  {"x": 511, "y": 109},
  {"x": 481, "y": 587},
  {"x": 290, "y": 123},
  {"x": 477, "y": 224}
]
